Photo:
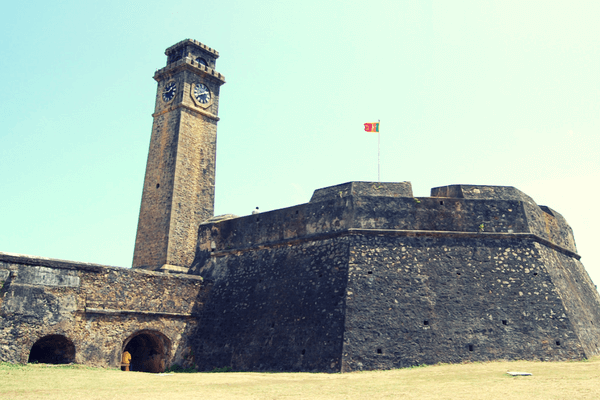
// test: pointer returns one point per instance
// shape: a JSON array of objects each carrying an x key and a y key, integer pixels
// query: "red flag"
[{"x": 372, "y": 127}]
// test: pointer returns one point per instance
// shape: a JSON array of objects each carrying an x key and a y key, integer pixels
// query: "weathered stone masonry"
[
  {"x": 279, "y": 308},
  {"x": 99, "y": 309},
  {"x": 179, "y": 185},
  {"x": 414, "y": 300},
  {"x": 366, "y": 276}
]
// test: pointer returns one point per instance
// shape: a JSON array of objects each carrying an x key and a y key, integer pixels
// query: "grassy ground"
[{"x": 566, "y": 380}]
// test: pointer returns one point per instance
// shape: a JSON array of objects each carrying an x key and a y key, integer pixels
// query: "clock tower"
[{"x": 179, "y": 187}]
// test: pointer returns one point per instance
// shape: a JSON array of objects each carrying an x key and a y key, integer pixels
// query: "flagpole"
[{"x": 378, "y": 152}]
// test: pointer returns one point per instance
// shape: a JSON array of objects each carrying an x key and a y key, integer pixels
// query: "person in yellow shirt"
[{"x": 126, "y": 360}]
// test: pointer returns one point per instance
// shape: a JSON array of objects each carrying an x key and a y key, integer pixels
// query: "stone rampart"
[
  {"x": 335, "y": 214},
  {"x": 99, "y": 310},
  {"x": 279, "y": 308},
  {"x": 414, "y": 300},
  {"x": 486, "y": 274},
  {"x": 365, "y": 276}
]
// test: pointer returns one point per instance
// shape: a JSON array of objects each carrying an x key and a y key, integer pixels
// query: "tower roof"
[{"x": 192, "y": 42}]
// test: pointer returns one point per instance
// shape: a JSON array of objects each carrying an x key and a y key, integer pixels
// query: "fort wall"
[
  {"x": 365, "y": 276},
  {"x": 279, "y": 308},
  {"x": 98, "y": 309},
  {"x": 335, "y": 213},
  {"x": 423, "y": 300}
]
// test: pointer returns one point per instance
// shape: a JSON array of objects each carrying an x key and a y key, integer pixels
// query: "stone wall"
[
  {"x": 386, "y": 189},
  {"x": 151, "y": 243},
  {"x": 579, "y": 296},
  {"x": 487, "y": 274},
  {"x": 414, "y": 300},
  {"x": 333, "y": 214},
  {"x": 99, "y": 309},
  {"x": 277, "y": 309},
  {"x": 365, "y": 276}
]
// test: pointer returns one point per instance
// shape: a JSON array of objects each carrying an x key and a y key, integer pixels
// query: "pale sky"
[{"x": 471, "y": 92}]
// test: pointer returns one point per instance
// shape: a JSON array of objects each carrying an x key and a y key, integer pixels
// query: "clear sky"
[{"x": 473, "y": 92}]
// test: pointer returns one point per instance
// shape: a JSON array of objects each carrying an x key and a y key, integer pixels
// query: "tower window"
[{"x": 178, "y": 55}]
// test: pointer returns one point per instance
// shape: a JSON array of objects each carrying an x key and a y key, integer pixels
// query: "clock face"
[
  {"x": 201, "y": 93},
  {"x": 169, "y": 92}
]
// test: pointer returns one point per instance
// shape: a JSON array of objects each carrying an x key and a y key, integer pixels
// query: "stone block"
[
  {"x": 481, "y": 192},
  {"x": 35, "y": 275},
  {"x": 383, "y": 189}
]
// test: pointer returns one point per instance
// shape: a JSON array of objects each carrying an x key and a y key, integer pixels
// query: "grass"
[{"x": 550, "y": 380}]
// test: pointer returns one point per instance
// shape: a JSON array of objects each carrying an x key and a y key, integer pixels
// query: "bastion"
[{"x": 366, "y": 276}]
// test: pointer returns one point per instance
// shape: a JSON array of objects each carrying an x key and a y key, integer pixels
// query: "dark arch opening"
[
  {"x": 149, "y": 350},
  {"x": 52, "y": 349}
]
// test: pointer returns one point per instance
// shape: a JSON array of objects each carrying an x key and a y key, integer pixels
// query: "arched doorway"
[
  {"x": 149, "y": 351},
  {"x": 52, "y": 349}
]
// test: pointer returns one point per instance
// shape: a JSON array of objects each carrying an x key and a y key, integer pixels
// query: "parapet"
[
  {"x": 541, "y": 220},
  {"x": 383, "y": 189},
  {"x": 496, "y": 212},
  {"x": 481, "y": 192},
  {"x": 188, "y": 63},
  {"x": 192, "y": 42}
]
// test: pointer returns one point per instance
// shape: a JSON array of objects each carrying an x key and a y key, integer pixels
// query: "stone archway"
[
  {"x": 52, "y": 349},
  {"x": 149, "y": 351}
]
